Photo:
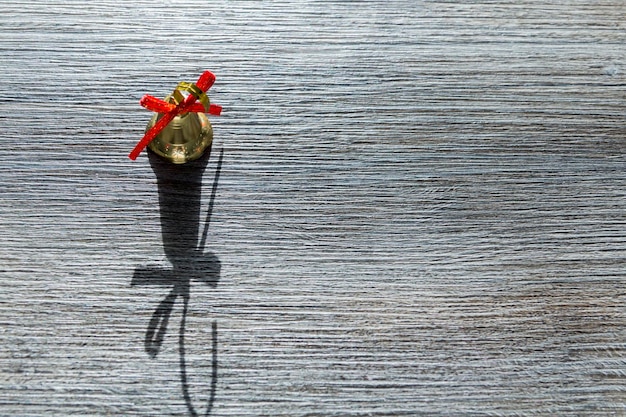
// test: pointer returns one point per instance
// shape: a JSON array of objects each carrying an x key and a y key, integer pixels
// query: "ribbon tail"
[
  {"x": 214, "y": 109},
  {"x": 206, "y": 80},
  {"x": 151, "y": 134},
  {"x": 156, "y": 104}
]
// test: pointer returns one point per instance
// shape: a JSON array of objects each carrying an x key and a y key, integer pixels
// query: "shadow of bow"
[{"x": 179, "y": 202}]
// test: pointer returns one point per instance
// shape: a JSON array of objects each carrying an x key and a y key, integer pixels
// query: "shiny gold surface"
[
  {"x": 184, "y": 139},
  {"x": 193, "y": 89}
]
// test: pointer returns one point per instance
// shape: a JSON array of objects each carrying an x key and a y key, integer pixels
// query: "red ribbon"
[{"x": 170, "y": 111}]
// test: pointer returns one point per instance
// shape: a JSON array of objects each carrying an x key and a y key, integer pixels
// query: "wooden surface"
[{"x": 420, "y": 210}]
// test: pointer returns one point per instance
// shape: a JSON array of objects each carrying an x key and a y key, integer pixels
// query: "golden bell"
[{"x": 184, "y": 139}]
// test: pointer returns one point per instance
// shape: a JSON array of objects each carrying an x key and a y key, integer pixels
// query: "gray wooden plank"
[{"x": 420, "y": 210}]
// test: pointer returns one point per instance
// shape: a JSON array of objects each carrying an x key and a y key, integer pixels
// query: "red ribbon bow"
[{"x": 170, "y": 110}]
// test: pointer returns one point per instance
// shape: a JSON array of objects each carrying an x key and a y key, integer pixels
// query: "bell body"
[{"x": 184, "y": 139}]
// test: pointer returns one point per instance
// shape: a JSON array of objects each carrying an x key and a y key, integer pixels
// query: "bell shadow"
[{"x": 179, "y": 188}]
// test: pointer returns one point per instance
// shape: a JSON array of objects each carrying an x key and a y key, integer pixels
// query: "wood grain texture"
[{"x": 420, "y": 209}]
